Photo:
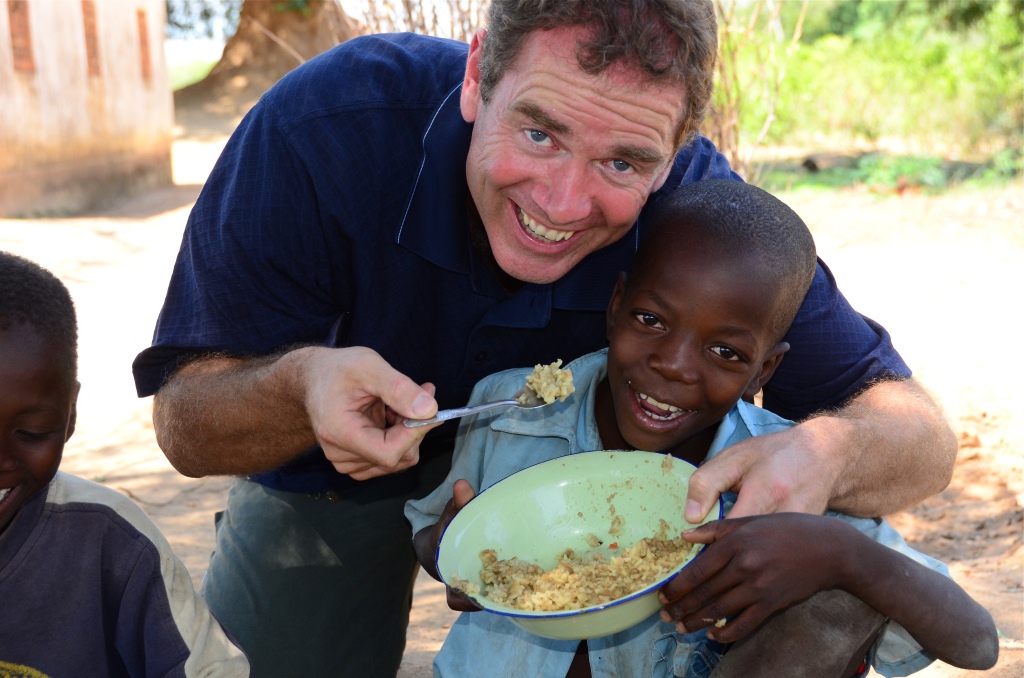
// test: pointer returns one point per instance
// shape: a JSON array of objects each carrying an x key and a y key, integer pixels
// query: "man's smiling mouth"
[
  {"x": 658, "y": 410},
  {"x": 541, "y": 232}
]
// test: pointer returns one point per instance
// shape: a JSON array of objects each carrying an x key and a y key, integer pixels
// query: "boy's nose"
[{"x": 677, "y": 363}]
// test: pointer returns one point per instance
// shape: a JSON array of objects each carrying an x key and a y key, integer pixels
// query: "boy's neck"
[{"x": 693, "y": 450}]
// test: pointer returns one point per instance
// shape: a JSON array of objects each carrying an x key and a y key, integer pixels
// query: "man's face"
[
  {"x": 560, "y": 161},
  {"x": 37, "y": 416},
  {"x": 690, "y": 337}
]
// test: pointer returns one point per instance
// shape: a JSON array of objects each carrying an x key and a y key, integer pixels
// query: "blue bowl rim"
[{"x": 560, "y": 614}]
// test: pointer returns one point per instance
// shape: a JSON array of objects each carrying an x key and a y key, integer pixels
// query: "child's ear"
[
  {"x": 73, "y": 419},
  {"x": 768, "y": 367},
  {"x": 614, "y": 303}
]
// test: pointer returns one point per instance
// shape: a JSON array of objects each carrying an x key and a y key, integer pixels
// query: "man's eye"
[
  {"x": 621, "y": 166},
  {"x": 725, "y": 352},
  {"x": 538, "y": 137},
  {"x": 648, "y": 319}
]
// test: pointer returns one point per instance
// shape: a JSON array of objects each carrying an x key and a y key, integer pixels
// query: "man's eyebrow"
[
  {"x": 540, "y": 117},
  {"x": 638, "y": 154}
]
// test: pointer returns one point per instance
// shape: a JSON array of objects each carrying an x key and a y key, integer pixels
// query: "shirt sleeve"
[
  {"x": 253, "y": 273},
  {"x": 834, "y": 353}
]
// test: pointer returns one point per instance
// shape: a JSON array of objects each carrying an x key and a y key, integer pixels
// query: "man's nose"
[{"x": 566, "y": 196}]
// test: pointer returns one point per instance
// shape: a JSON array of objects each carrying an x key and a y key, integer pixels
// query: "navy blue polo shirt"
[{"x": 337, "y": 215}]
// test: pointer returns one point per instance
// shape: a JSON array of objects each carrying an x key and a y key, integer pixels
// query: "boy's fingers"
[
  {"x": 462, "y": 492},
  {"x": 459, "y": 601}
]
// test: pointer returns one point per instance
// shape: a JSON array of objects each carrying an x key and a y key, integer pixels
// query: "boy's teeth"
[
  {"x": 672, "y": 410},
  {"x": 549, "y": 234},
  {"x": 3, "y": 493}
]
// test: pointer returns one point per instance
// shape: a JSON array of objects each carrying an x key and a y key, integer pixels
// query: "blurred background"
[{"x": 893, "y": 127}]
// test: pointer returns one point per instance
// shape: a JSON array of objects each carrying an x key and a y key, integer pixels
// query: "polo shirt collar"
[{"x": 435, "y": 224}]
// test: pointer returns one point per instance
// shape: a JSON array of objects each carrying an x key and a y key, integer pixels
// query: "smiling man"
[{"x": 402, "y": 216}]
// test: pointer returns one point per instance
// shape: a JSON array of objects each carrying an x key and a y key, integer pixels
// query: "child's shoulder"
[{"x": 76, "y": 494}]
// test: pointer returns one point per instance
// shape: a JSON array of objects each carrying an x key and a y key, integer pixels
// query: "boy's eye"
[
  {"x": 538, "y": 137},
  {"x": 621, "y": 166},
  {"x": 725, "y": 352},
  {"x": 33, "y": 436},
  {"x": 648, "y": 319}
]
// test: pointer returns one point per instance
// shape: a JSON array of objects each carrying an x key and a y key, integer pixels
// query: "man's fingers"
[
  {"x": 402, "y": 394},
  {"x": 719, "y": 474}
]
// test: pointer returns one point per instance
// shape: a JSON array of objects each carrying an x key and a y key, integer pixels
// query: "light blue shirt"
[{"x": 491, "y": 447}]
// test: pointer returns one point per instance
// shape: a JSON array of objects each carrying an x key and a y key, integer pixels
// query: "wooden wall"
[{"x": 85, "y": 107}]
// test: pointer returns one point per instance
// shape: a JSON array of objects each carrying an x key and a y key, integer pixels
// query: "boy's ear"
[
  {"x": 73, "y": 419},
  {"x": 469, "y": 99},
  {"x": 613, "y": 304},
  {"x": 768, "y": 367}
]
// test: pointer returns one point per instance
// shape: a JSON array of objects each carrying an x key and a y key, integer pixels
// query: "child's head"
[
  {"x": 698, "y": 324},
  {"x": 38, "y": 379}
]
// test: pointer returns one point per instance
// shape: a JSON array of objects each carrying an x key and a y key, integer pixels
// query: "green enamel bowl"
[{"x": 537, "y": 513}]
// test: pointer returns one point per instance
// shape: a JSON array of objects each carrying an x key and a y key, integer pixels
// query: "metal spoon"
[{"x": 531, "y": 402}]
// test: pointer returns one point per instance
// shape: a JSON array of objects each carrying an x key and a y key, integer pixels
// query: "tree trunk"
[{"x": 269, "y": 42}]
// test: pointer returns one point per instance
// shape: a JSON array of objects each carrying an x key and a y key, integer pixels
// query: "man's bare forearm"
[
  {"x": 228, "y": 416},
  {"x": 893, "y": 445}
]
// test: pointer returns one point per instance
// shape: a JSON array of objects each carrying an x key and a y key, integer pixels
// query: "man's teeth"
[
  {"x": 4, "y": 492},
  {"x": 673, "y": 411},
  {"x": 549, "y": 234}
]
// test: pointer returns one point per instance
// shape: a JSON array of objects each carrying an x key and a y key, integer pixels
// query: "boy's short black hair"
[
  {"x": 32, "y": 295},
  {"x": 738, "y": 219}
]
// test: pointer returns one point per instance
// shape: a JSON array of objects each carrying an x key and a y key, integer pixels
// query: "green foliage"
[
  {"x": 947, "y": 72},
  {"x": 890, "y": 174},
  {"x": 181, "y": 75}
]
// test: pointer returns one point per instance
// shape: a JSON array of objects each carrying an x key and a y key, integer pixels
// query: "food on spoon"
[{"x": 550, "y": 383}]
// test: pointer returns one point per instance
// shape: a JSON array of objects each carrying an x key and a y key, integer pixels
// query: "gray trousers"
[{"x": 319, "y": 586}]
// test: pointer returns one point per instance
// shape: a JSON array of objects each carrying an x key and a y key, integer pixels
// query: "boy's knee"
[{"x": 821, "y": 637}]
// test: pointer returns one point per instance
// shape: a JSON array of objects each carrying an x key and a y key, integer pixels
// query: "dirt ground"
[{"x": 943, "y": 274}]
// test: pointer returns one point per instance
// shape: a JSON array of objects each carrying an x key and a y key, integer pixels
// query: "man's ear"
[
  {"x": 768, "y": 367},
  {"x": 73, "y": 419},
  {"x": 613, "y": 304},
  {"x": 469, "y": 99}
]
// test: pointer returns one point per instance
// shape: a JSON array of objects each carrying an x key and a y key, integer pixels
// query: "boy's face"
[
  {"x": 37, "y": 416},
  {"x": 688, "y": 339}
]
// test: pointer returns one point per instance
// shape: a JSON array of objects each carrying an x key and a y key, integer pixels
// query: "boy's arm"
[{"x": 754, "y": 567}]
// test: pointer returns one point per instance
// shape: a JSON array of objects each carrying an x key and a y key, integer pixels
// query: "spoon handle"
[{"x": 445, "y": 415}]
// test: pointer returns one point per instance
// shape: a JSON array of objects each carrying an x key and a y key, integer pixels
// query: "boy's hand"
[
  {"x": 428, "y": 538},
  {"x": 752, "y": 568}
]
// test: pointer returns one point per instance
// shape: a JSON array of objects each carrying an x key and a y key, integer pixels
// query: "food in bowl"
[
  {"x": 571, "y": 502},
  {"x": 550, "y": 383},
  {"x": 580, "y": 581}
]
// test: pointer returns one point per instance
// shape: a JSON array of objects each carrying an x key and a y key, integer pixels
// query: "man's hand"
[
  {"x": 236, "y": 416},
  {"x": 772, "y": 473},
  {"x": 355, "y": 402},
  {"x": 427, "y": 540},
  {"x": 887, "y": 449},
  {"x": 752, "y": 568}
]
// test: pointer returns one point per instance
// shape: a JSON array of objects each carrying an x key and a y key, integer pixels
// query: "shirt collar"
[{"x": 435, "y": 224}]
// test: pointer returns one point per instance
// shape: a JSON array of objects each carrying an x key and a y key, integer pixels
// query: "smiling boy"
[
  {"x": 90, "y": 587},
  {"x": 695, "y": 331}
]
